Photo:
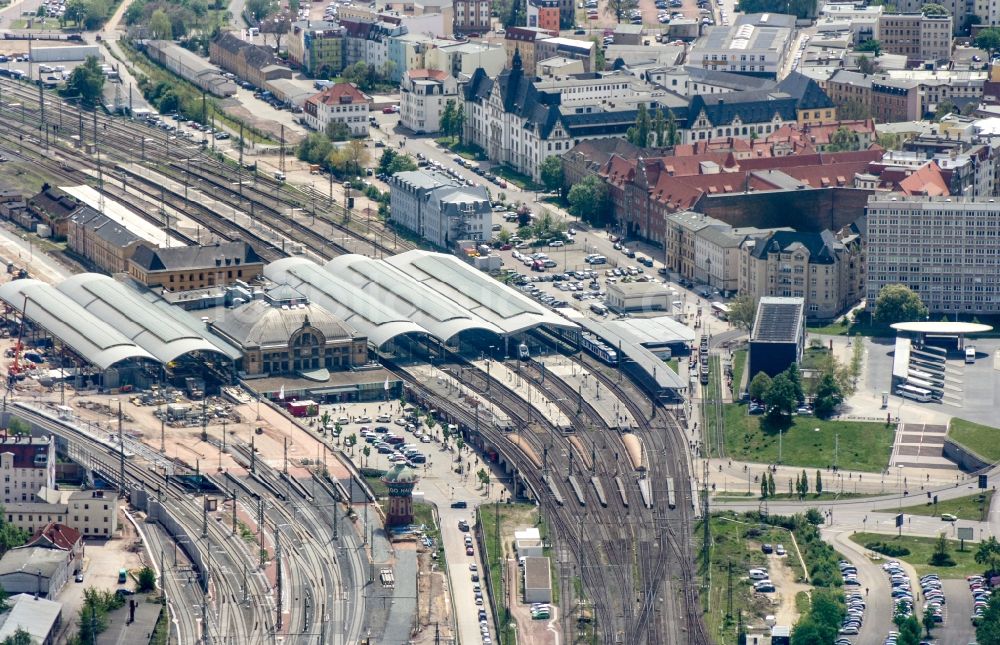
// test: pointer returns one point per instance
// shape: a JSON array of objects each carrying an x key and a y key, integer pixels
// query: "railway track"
[{"x": 166, "y": 154}]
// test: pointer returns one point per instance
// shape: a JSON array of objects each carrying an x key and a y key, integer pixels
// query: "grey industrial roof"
[
  {"x": 778, "y": 320},
  {"x": 658, "y": 330},
  {"x": 492, "y": 302},
  {"x": 37, "y": 616},
  {"x": 261, "y": 324},
  {"x": 165, "y": 332},
  {"x": 31, "y": 560},
  {"x": 651, "y": 364},
  {"x": 399, "y": 291},
  {"x": 415, "y": 292},
  {"x": 360, "y": 310},
  {"x": 94, "y": 339}
]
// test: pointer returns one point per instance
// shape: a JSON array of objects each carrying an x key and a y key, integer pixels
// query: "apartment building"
[
  {"x": 816, "y": 267},
  {"x": 439, "y": 209},
  {"x": 944, "y": 248},
  {"x": 33, "y": 516},
  {"x": 94, "y": 513},
  {"x": 340, "y": 103},
  {"x": 543, "y": 14},
  {"x": 424, "y": 93},
  {"x": 27, "y": 464},
  {"x": 471, "y": 16},
  {"x": 916, "y": 35}
]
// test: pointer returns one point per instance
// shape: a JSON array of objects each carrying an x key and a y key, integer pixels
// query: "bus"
[
  {"x": 935, "y": 390},
  {"x": 935, "y": 379},
  {"x": 720, "y": 310},
  {"x": 914, "y": 392}
]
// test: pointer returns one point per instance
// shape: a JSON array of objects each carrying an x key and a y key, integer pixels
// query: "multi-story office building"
[
  {"x": 437, "y": 208},
  {"x": 944, "y": 248}
]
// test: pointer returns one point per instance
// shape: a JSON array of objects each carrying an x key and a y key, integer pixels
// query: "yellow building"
[{"x": 184, "y": 268}]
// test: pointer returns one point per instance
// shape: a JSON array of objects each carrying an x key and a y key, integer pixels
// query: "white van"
[
  {"x": 970, "y": 354},
  {"x": 757, "y": 574},
  {"x": 598, "y": 309},
  {"x": 280, "y": 176}
]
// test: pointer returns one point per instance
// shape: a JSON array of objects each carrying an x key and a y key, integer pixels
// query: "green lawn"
[
  {"x": 674, "y": 365},
  {"x": 825, "y": 496},
  {"x": 468, "y": 151},
  {"x": 971, "y": 507},
  {"x": 738, "y": 544},
  {"x": 522, "y": 181},
  {"x": 813, "y": 357},
  {"x": 863, "y": 446},
  {"x": 921, "y": 549},
  {"x": 739, "y": 365},
  {"x": 978, "y": 438}
]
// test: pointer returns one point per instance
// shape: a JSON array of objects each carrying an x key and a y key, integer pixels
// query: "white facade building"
[
  {"x": 424, "y": 93},
  {"x": 342, "y": 103},
  {"x": 437, "y": 208}
]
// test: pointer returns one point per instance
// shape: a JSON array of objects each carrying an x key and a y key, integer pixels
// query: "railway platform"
[
  {"x": 444, "y": 383},
  {"x": 539, "y": 402},
  {"x": 604, "y": 401}
]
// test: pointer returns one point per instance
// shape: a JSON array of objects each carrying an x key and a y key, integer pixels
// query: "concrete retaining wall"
[{"x": 967, "y": 460}]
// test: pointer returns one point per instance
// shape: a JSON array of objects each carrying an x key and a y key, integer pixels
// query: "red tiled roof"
[
  {"x": 334, "y": 94},
  {"x": 433, "y": 74},
  {"x": 926, "y": 180},
  {"x": 55, "y": 536}
]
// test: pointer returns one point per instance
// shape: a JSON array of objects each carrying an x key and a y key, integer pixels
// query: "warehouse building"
[
  {"x": 537, "y": 580},
  {"x": 191, "y": 67}
]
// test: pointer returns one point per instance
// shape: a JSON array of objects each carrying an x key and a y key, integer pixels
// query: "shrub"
[{"x": 889, "y": 549}]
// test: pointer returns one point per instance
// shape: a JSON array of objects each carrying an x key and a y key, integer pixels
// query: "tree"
[
  {"x": 514, "y": 16},
  {"x": 867, "y": 65},
  {"x": 388, "y": 154},
  {"x": 589, "y": 201},
  {"x": 988, "y": 555},
  {"x": 20, "y": 637},
  {"x": 898, "y": 303},
  {"x": 828, "y": 396},
  {"x": 75, "y": 12},
  {"x": 844, "y": 140},
  {"x": 552, "y": 173},
  {"x": 871, "y": 45},
  {"x": 932, "y": 9},
  {"x": 764, "y": 488},
  {"x": 781, "y": 397},
  {"x": 402, "y": 163},
  {"x": 659, "y": 128},
  {"x": 819, "y": 483},
  {"x": 638, "y": 135},
  {"x": 259, "y": 9},
  {"x": 742, "y": 311},
  {"x": 620, "y": 8},
  {"x": 803, "y": 484},
  {"x": 928, "y": 621},
  {"x": 337, "y": 131},
  {"x": 366, "y": 451},
  {"x": 796, "y": 379},
  {"x": 673, "y": 136},
  {"x": 159, "y": 25},
  {"x": 944, "y": 108},
  {"x": 87, "y": 82},
  {"x": 357, "y": 156},
  {"x": 770, "y": 484},
  {"x": 988, "y": 39},
  {"x": 853, "y": 110},
  {"x": 988, "y": 629},
  {"x": 759, "y": 386},
  {"x": 314, "y": 149},
  {"x": 277, "y": 25},
  {"x": 146, "y": 580},
  {"x": 448, "y": 118},
  {"x": 95, "y": 15},
  {"x": 889, "y": 140}
]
